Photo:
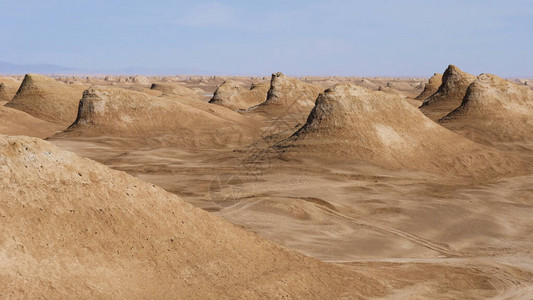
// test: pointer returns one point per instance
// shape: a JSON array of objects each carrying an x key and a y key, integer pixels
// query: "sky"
[{"x": 346, "y": 38}]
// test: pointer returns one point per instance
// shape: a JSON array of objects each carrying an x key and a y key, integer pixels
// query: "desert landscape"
[
  {"x": 257, "y": 187},
  {"x": 266, "y": 150}
]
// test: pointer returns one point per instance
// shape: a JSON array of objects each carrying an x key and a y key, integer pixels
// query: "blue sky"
[{"x": 260, "y": 37}]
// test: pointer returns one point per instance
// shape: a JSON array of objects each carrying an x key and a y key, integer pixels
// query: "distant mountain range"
[
  {"x": 49, "y": 69},
  {"x": 9, "y": 68}
]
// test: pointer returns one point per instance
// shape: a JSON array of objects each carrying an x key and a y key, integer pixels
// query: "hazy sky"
[{"x": 260, "y": 37}]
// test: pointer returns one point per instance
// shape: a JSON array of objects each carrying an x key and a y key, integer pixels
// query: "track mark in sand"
[
  {"x": 510, "y": 287},
  {"x": 411, "y": 237},
  {"x": 516, "y": 292}
]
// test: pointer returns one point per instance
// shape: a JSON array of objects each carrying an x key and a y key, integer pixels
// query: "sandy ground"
[
  {"x": 363, "y": 216},
  {"x": 421, "y": 236}
]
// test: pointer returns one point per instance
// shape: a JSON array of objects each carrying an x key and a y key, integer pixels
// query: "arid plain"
[{"x": 266, "y": 187}]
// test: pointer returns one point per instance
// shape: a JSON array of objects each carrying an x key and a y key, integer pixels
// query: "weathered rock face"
[
  {"x": 352, "y": 123},
  {"x": 72, "y": 228},
  {"x": 114, "y": 111},
  {"x": 494, "y": 110},
  {"x": 236, "y": 97},
  {"x": 449, "y": 95},
  {"x": 48, "y": 99},
  {"x": 431, "y": 87}
]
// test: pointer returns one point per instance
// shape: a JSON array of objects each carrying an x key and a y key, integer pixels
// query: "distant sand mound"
[
  {"x": 107, "y": 110},
  {"x": 350, "y": 122},
  {"x": 140, "y": 80},
  {"x": 494, "y": 110},
  {"x": 234, "y": 96},
  {"x": 368, "y": 84},
  {"x": 48, "y": 99},
  {"x": 72, "y": 228},
  {"x": 173, "y": 89},
  {"x": 449, "y": 95},
  {"x": 431, "y": 87},
  {"x": 289, "y": 95},
  {"x": 390, "y": 90}
]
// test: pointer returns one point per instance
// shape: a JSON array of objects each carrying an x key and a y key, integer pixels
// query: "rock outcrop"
[
  {"x": 48, "y": 99},
  {"x": 449, "y": 95},
  {"x": 114, "y": 111},
  {"x": 234, "y": 96},
  {"x": 494, "y": 110},
  {"x": 352, "y": 123},
  {"x": 431, "y": 87}
]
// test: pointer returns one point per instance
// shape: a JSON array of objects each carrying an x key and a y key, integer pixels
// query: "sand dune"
[
  {"x": 494, "y": 110},
  {"x": 431, "y": 87},
  {"x": 48, "y": 99},
  {"x": 234, "y": 96},
  {"x": 351, "y": 123},
  {"x": 449, "y": 95}
]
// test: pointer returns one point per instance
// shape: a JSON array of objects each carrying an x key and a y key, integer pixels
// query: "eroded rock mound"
[
  {"x": 48, "y": 99},
  {"x": 4, "y": 97},
  {"x": 494, "y": 110},
  {"x": 350, "y": 123},
  {"x": 72, "y": 228},
  {"x": 112, "y": 111},
  {"x": 8, "y": 88},
  {"x": 234, "y": 96},
  {"x": 139, "y": 79},
  {"x": 289, "y": 94},
  {"x": 431, "y": 87},
  {"x": 449, "y": 95}
]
